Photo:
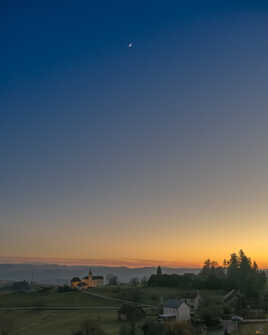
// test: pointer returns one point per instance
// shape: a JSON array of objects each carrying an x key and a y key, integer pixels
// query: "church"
[{"x": 87, "y": 282}]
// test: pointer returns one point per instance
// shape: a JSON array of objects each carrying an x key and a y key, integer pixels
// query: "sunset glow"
[{"x": 134, "y": 136}]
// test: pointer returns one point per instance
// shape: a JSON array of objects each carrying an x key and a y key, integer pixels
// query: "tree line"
[{"x": 239, "y": 272}]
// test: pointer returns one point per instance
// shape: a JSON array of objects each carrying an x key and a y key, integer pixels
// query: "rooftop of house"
[
  {"x": 174, "y": 303},
  {"x": 75, "y": 279}
]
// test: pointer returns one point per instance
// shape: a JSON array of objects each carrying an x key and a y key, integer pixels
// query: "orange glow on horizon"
[{"x": 130, "y": 263}]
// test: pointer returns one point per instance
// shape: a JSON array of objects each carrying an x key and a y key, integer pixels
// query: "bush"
[
  {"x": 179, "y": 328},
  {"x": 65, "y": 288},
  {"x": 210, "y": 312},
  {"x": 89, "y": 327},
  {"x": 21, "y": 286},
  {"x": 124, "y": 330},
  {"x": 154, "y": 328}
]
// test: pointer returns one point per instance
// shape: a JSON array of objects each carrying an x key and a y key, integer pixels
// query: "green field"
[
  {"x": 52, "y": 298},
  {"x": 63, "y": 322},
  {"x": 57, "y": 322},
  {"x": 151, "y": 295}
]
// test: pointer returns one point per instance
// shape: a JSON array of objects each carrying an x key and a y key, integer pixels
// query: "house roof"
[
  {"x": 173, "y": 303},
  {"x": 75, "y": 279}
]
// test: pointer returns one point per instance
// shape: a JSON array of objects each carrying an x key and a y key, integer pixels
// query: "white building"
[{"x": 176, "y": 309}]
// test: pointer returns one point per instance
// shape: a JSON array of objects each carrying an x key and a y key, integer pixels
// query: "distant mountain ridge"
[{"x": 55, "y": 274}]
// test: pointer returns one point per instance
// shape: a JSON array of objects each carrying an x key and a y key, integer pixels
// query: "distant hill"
[{"x": 61, "y": 274}]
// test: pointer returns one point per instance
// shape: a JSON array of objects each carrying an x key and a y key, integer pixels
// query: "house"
[
  {"x": 176, "y": 310},
  {"x": 75, "y": 282},
  {"x": 87, "y": 282}
]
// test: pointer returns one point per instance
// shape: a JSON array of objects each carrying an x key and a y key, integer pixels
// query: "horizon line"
[{"x": 125, "y": 262}]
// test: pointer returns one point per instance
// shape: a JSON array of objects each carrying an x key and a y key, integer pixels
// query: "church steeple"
[{"x": 89, "y": 273}]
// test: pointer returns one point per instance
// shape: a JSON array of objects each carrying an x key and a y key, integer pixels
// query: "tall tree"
[
  {"x": 133, "y": 315},
  {"x": 233, "y": 271},
  {"x": 159, "y": 271}
]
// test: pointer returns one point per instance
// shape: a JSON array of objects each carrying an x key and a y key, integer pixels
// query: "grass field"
[
  {"x": 151, "y": 295},
  {"x": 52, "y": 298},
  {"x": 57, "y": 322}
]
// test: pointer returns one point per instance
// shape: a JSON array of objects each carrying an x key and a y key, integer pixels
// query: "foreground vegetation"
[{"x": 56, "y": 322}]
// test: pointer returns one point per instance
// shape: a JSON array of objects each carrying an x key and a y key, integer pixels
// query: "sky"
[{"x": 154, "y": 153}]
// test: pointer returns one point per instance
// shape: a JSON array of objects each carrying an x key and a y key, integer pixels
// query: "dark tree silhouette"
[{"x": 159, "y": 271}]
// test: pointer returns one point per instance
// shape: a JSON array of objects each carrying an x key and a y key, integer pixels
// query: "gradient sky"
[{"x": 157, "y": 152}]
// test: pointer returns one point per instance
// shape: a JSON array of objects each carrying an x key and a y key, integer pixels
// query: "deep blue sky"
[{"x": 164, "y": 143}]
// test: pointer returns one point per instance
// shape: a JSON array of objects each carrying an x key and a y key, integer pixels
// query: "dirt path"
[{"x": 116, "y": 299}]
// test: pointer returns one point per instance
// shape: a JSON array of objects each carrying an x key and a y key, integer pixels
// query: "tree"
[
  {"x": 133, "y": 313},
  {"x": 179, "y": 328},
  {"x": 64, "y": 288},
  {"x": 265, "y": 302},
  {"x": 89, "y": 327},
  {"x": 212, "y": 276},
  {"x": 21, "y": 286},
  {"x": 187, "y": 280},
  {"x": 233, "y": 271},
  {"x": 144, "y": 282},
  {"x": 134, "y": 282},
  {"x": 210, "y": 311},
  {"x": 238, "y": 273},
  {"x": 113, "y": 281},
  {"x": 244, "y": 275},
  {"x": 154, "y": 328},
  {"x": 159, "y": 271}
]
